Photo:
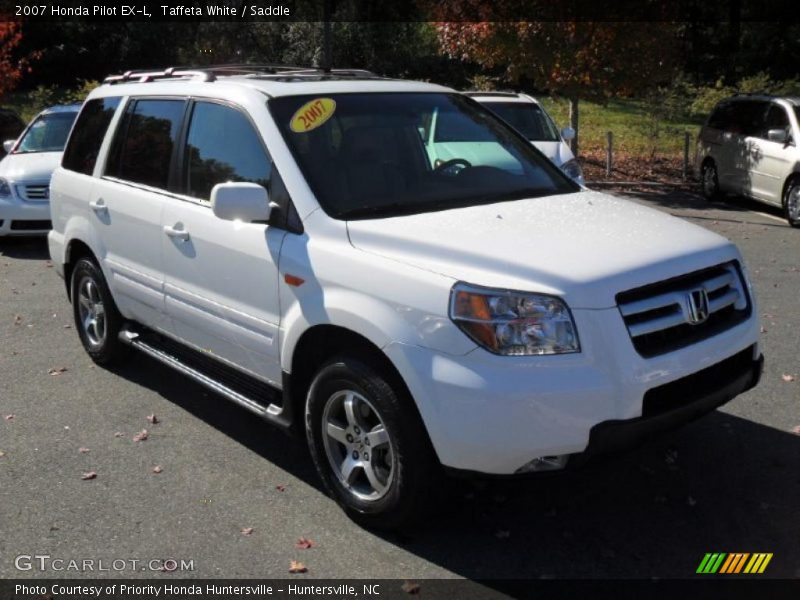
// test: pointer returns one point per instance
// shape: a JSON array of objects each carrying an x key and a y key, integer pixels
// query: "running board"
[{"x": 166, "y": 354}]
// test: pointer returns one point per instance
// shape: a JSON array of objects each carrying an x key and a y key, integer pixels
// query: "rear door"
[
  {"x": 221, "y": 277},
  {"x": 748, "y": 122},
  {"x": 127, "y": 203},
  {"x": 770, "y": 162}
]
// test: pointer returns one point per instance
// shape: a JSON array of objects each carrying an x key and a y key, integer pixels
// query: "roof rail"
[
  {"x": 210, "y": 72},
  {"x": 147, "y": 76},
  {"x": 503, "y": 94}
]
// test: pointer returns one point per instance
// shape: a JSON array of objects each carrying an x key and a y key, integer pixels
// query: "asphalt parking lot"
[{"x": 727, "y": 483}]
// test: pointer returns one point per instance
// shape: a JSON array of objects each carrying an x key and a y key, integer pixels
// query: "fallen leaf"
[
  {"x": 57, "y": 370},
  {"x": 410, "y": 587},
  {"x": 280, "y": 488},
  {"x": 796, "y": 430},
  {"x": 119, "y": 434},
  {"x": 89, "y": 475},
  {"x": 141, "y": 436},
  {"x": 9, "y": 417},
  {"x": 17, "y": 319},
  {"x": 2, "y": 454},
  {"x": 763, "y": 329},
  {"x": 297, "y": 567},
  {"x": 157, "y": 469},
  {"x": 153, "y": 419},
  {"x": 304, "y": 544},
  {"x": 502, "y": 534},
  {"x": 247, "y": 531},
  {"x": 83, "y": 450},
  {"x": 67, "y": 326},
  {"x": 787, "y": 378}
]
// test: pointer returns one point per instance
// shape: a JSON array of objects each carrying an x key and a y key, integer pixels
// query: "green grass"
[{"x": 635, "y": 130}]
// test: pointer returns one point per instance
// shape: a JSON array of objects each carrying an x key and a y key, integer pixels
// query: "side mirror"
[
  {"x": 568, "y": 133},
  {"x": 241, "y": 201},
  {"x": 778, "y": 135},
  {"x": 8, "y": 145}
]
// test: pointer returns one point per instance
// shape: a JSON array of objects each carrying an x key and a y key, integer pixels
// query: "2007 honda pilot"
[{"x": 282, "y": 237}]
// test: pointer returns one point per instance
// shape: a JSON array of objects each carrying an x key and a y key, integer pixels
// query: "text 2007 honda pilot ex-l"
[{"x": 281, "y": 237}]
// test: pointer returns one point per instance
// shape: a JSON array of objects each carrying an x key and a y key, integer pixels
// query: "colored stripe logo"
[{"x": 734, "y": 563}]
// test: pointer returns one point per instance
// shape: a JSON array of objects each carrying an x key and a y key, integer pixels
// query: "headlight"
[
  {"x": 572, "y": 169},
  {"x": 514, "y": 323},
  {"x": 5, "y": 189}
]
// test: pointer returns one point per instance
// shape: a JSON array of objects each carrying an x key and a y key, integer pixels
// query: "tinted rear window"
[
  {"x": 87, "y": 135},
  {"x": 527, "y": 118}
]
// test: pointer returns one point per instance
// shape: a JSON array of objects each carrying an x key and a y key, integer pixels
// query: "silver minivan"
[{"x": 748, "y": 146}]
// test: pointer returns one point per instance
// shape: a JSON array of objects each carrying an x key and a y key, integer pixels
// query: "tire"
[
  {"x": 97, "y": 319},
  {"x": 710, "y": 181},
  {"x": 791, "y": 202},
  {"x": 394, "y": 482}
]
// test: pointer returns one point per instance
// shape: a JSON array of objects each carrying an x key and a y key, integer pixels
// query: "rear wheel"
[
  {"x": 710, "y": 181},
  {"x": 96, "y": 316},
  {"x": 369, "y": 445},
  {"x": 791, "y": 202}
]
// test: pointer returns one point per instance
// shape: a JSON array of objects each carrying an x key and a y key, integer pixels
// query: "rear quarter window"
[{"x": 87, "y": 135}]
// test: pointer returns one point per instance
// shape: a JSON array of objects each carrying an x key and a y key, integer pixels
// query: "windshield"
[
  {"x": 48, "y": 133},
  {"x": 527, "y": 118},
  {"x": 385, "y": 154}
]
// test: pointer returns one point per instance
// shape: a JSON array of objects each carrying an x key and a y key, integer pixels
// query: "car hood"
[
  {"x": 584, "y": 246},
  {"x": 36, "y": 166}
]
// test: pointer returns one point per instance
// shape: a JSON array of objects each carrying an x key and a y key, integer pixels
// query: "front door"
[{"x": 221, "y": 277}]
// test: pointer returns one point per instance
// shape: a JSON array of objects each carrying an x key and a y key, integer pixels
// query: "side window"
[
  {"x": 84, "y": 143},
  {"x": 221, "y": 146},
  {"x": 721, "y": 117},
  {"x": 142, "y": 148},
  {"x": 776, "y": 119},
  {"x": 748, "y": 118}
]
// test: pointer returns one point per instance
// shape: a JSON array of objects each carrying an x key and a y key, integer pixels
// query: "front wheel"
[
  {"x": 369, "y": 445},
  {"x": 96, "y": 316},
  {"x": 791, "y": 203}
]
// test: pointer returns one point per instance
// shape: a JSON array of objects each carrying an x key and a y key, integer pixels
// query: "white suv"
[
  {"x": 526, "y": 115},
  {"x": 25, "y": 172},
  {"x": 748, "y": 146},
  {"x": 282, "y": 237}
]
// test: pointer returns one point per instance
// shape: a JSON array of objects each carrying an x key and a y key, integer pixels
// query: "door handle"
[
  {"x": 176, "y": 233},
  {"x": 98, "y": 205}
]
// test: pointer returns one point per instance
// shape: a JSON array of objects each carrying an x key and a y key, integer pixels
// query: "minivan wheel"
[
  {"x": 710, "y": 181},
  {"x": 96, "y": 316},
  {"x": 791, "y": 203},
  {"x": 369, "y": 445}
]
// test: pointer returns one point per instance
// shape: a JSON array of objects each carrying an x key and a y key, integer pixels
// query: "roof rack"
[
  {"x": 503, "y": 94},
  {"x": 211, "y": 72}
]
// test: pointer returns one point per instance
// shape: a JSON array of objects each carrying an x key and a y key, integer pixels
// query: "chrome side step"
[{"x": 271, "y": 412}]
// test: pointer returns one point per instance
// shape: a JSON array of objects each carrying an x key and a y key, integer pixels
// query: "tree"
[
  {"x": 11, "y": 68},
  {"x": 578, "y": 60}
]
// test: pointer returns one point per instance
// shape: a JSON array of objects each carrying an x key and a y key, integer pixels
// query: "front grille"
[
  {"x": 664, "y": 316},
  {"x": 689, "y": 389},
  {"x": 35, "y": 192},
  {"x": 30, "y": 225}
]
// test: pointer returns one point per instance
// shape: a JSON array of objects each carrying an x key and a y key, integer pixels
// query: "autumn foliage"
[{"x": 11, "y": 69}]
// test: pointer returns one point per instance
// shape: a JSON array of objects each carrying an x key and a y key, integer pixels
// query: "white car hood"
[
  {"x": 584, "y": 246},
  {"x": 33, "y": 167}
]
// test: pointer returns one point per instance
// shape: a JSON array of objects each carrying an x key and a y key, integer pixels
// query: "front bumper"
[
  {"x": 493, "y": 415},
  {"x": 18, "y": 217}
]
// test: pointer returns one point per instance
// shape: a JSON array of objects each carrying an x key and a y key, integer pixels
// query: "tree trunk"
[{"x": 573, "y": 122}]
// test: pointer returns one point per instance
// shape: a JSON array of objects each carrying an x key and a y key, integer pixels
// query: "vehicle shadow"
[
  {"x": 721, "y": 484},
  {"x": 26, "y": 248},
  {"x": 738, "y": 208}
]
